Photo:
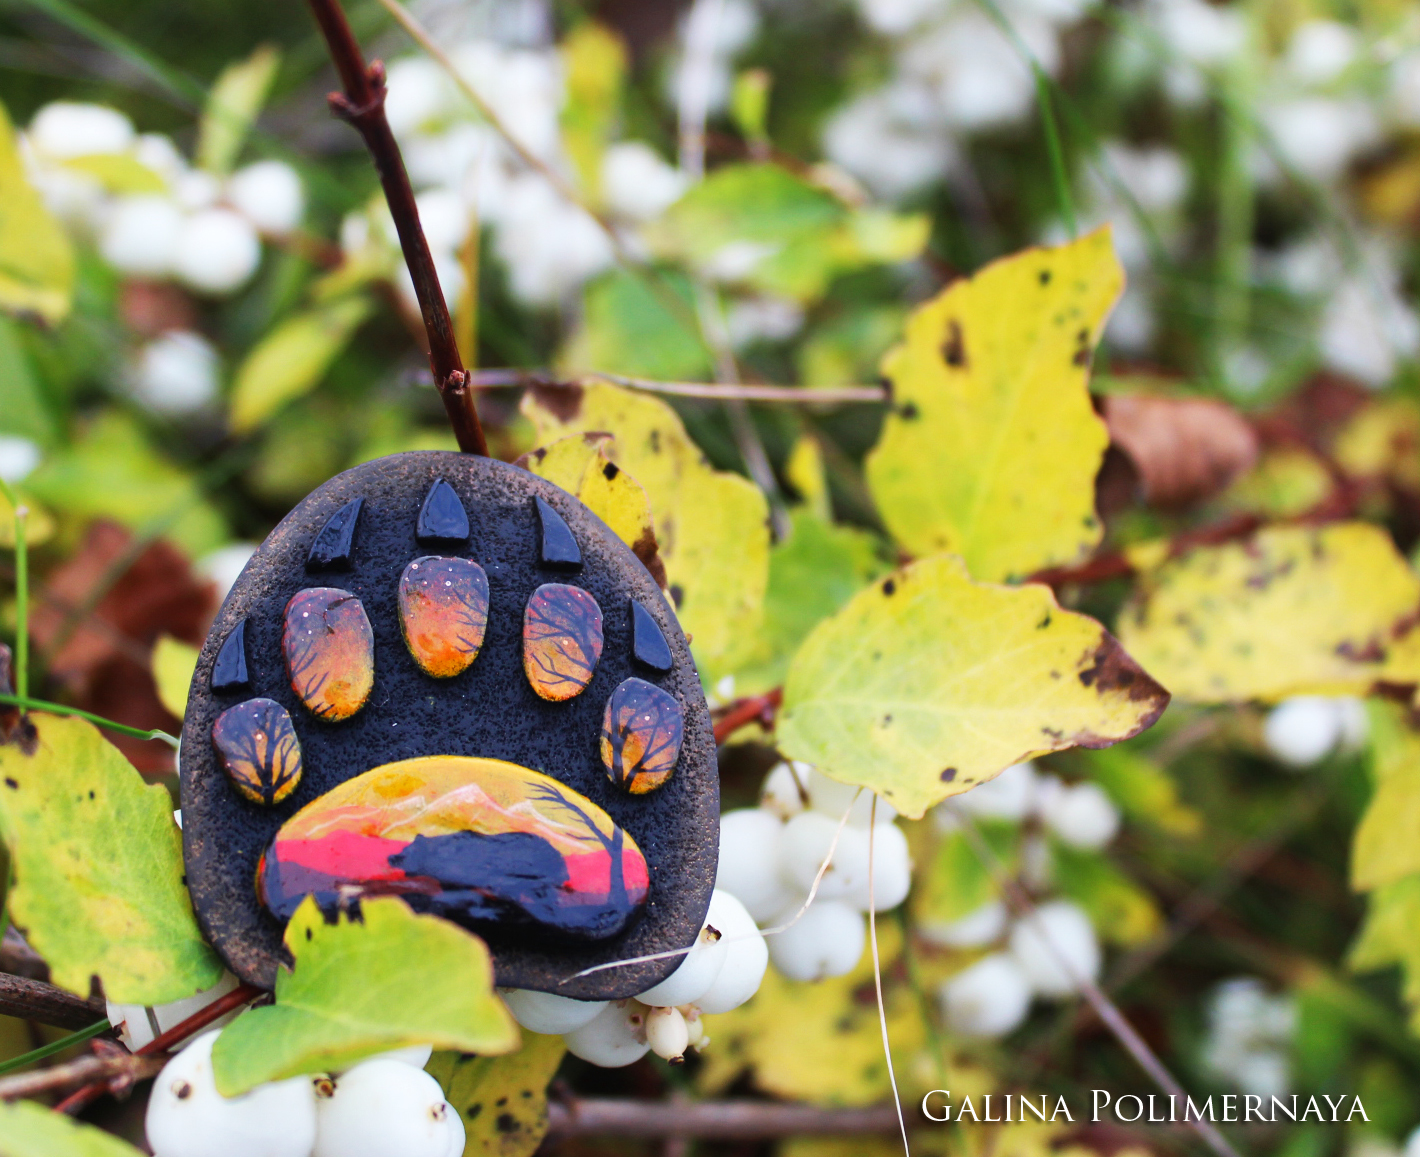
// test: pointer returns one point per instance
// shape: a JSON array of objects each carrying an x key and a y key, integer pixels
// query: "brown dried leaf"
[{"x": 1185, "y": 449}]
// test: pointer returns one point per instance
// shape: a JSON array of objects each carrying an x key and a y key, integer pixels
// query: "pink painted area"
[
  {"x": 590, "y": 873},
  {"x": 345, "y": 856}
]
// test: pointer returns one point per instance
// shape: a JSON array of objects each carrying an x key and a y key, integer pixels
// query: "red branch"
[
  {"x": 741, "y": 712},
  {"x": 362, "y": 104}
]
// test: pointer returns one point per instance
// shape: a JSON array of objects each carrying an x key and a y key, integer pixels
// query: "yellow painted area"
[{"x": 992, "y": 447}]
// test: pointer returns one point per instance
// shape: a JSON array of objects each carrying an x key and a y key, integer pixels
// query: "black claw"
[
  {"x": 229, "y": 672},
  {"x": 442, "y": 518},
  {"x": 334, "y": 544},
  {"x": 648, "y": 644},
  {"x": 559, "y": 546}
]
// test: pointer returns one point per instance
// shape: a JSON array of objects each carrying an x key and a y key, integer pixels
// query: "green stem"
[
  {"x": 98, "y": 720},
  {"x": 53, "y": 1047},
  {"x": 1235, "y": 219},
  {"x": 1058, "y": 175}
]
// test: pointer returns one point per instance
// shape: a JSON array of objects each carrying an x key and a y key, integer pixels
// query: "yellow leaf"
[
  {"x": 1388, "y": 938},
  {"x": 39, "y": 523},
  {"x": 119, "y": 173},
  {"x": 36, "y": 258},
  {"x": 1285, "y": 483},
  {"x": 712, "y": 526},
  {"x": 582, "y": 465},
  {"x": 502, "y": 1100},
  {"x": 1382, "y": 441},
  {"x": 232, "y": 108},
  {"x": 805, "y": 473},
  {"x": 173, "y": 664},
  {"x": 992, "y": 446},
  {"x": 1385, "y": 848},
  {"x": 1294, "y": 610},
  {"x": 927, "y": 683},
  {"x": 291, "y": 360},
  {"x": 820, "y": 1042},
  {"x": 594, "y": 64}
]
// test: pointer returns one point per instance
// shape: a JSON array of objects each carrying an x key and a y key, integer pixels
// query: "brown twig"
[
  {"x": 516, "y": 378},
  {"x": 44, "y": 1003},
  {"x": 163, "y": 1042},
  {"x": 742, "y": 712},
  {"x": 722, "y": 1120},
  {"x": 101, "y": 1071},
  {"x": 362, "y": 105}
]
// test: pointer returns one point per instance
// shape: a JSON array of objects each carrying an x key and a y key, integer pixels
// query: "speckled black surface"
[{"x": 489, "y": 710}]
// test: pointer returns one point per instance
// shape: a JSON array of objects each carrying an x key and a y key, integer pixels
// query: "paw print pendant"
[{"x": 445, "y": 679}]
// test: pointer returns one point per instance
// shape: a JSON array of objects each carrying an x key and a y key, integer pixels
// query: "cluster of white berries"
[
  {"x": 1304, "y": 730},
  {"x": 188, "y": 224},
  {"x": 955, "y": 72},
  {"x": 1249, "y": 1031},
  {"x": 1047, "y": 953},
  {"x": 771, "y": 855},
  {"x": 385, "y": 1106},
  {"x": 722, "y": 970}
]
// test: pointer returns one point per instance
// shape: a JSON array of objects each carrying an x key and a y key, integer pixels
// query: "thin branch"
[
  {"x": 721, "y": 1120},
  {"x": 1114, "y": 1020},
  {"x": 802, "y": 395},
  {"x": 103, "y": 1070},
  {"x": 363, "y": 106},
  {"x": 35, "y": 1000},
  {"x": 742, "y": 712}
]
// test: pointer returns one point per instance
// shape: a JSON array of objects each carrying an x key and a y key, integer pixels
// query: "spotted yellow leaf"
[
  {"x": 712, "y": 526},
  {"x": 1293, "y": 610},
  {"x": 36, "y": 258},
  {"x": 582, "y": 465},
  {"x": 992, "y": 447},
  {"x": 928, "y": 683},
  {"x": 502, "y": 1100}
]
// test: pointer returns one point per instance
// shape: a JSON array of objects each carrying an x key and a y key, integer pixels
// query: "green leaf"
[
  {"x": 992, "y": 445},
  {"x": 927, "y": 683},
  {"x": 1294, "y": 610},
  {"x": 953, "y": 880},
  {"x": 119, "y": 173},
  {"x": 812, "y": 572},
  {"x": 1124, "y": 912},
  {"x": 1144, "y": 790},
  {"x": 502, "y": 1100},
  {"x": 712, "y": 527},
  {"x": 1388, "y": 938},
  {"x": 291, "y": 360},
  {"x": 98, "y": 868},
  {"x": 23, "y": 409},
  {"x": 391, "y": 979},
  {"x": 594, "y": 69},
  {"x": 232, "y": 108},
  {"x": 36, "y": 258},
  {"x": 173, "y": 664},
  {"x": 28, "y": 1129},
  {"x": 629, "y": 328},
  {"x": 112, "y": 471}
]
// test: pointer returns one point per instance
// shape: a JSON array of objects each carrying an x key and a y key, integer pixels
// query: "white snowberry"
[
  {"x": 18, "y": 457},
  {"x": 746, "y": 956},
  {"x": 637, "y": 183},
  {"x": 1081, "y": 814},
  {"x": 785, "y": 790},
  {"x": 548, "y": 1013},
  {"x": 974, "y": 930},
  {"x": 615, "y": 1037},
  {"x": 269, "y": 195},
  {"x": 749, "y": 866},
  {"x": 827, "y": 940},
  {"x": 217, "y": 251},
  {"x": 65, "y": 129},
  {"x": 667, "y": 1034},
  {"x": 1303, "y": 730},
  {"x": 1010, "y": 796},
  {"x": 141, "y": 235},
  {"x": 989, "y": 999},
  {"x": 383, "y": 1108},
  {"x": 833, "y": 799},
  {"x": 697, "y": 971},
  {"x": 135, "y": 1022},
  {"x": 1056, "y": 948},
  {"x": 187, "y": 1117},
  {"x": 176, "y": 373}
]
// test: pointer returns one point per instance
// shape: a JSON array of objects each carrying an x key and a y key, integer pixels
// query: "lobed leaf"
[
  {"x": 502, "y": 1100},
  {"x": 927, "y": 683},
  {"x": 98, "y": 868},
  {"x": 389, "y": 979},
  {"x": 992, "y": 445},
  {"x": 1293, "y": 610}
]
